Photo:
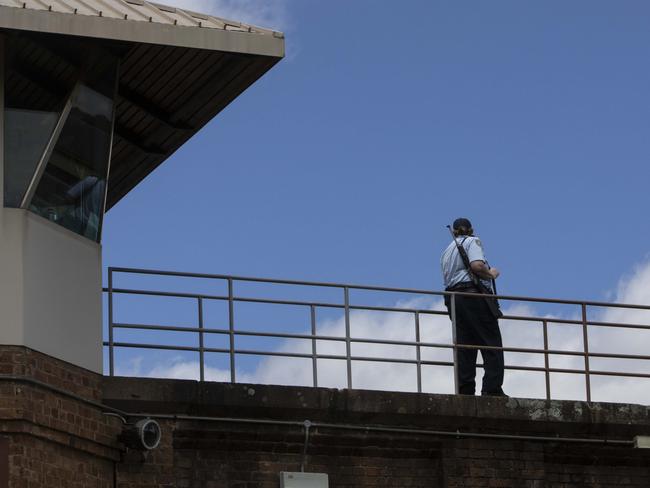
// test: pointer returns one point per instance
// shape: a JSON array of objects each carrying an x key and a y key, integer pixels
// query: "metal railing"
[{"x": 346, "y": 306}]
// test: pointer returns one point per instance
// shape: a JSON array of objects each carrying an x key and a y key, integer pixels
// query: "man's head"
[{"x": 463, "y": 227}]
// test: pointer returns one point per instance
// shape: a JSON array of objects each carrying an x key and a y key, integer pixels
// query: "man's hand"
[{"x": 480, "y": 269}]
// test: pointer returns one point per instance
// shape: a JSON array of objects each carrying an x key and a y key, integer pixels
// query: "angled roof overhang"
[{"x": 178, "y": 69}]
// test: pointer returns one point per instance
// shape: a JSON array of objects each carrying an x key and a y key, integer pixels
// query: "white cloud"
[
  {"x": 399, "y": 326},
  {"x": 272, "y": 14},
  {"x": 632, "y": 289}
]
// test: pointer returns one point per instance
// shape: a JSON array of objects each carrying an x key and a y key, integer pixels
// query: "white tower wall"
[{"x": 50, "y": 282}]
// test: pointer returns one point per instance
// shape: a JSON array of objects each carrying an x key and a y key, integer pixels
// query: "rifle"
[{"x": 491, "y": 302}]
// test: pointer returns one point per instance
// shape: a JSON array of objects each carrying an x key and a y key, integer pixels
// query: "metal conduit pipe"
[
  {"x": 108, "y": 410},
  {"x": 378, "y": 428}
]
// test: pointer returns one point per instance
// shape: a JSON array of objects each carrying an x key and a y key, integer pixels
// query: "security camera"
[{"x": 144, "y": 435}]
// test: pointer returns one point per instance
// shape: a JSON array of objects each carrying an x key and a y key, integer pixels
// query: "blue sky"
[
  {"x": 385, "y": 122},
  {"x": 388, "y": 120}
]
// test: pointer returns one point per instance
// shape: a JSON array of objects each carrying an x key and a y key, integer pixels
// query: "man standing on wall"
[{"x": 476, "y": 319}]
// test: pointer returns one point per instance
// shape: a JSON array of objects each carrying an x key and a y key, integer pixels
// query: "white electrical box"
[
  {"x": 303, "y": 480},
  {"x": 642, "y": 442}
]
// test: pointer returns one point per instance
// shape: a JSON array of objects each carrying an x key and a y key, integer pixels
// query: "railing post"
[
  {"x": 314, "y": 365},
  {"x": 585, "y": 339},
  {"x": 111, "y": 358},
  {"x": 348, "y": 347},
  {"x": 201, "y": 344},
  {"x": 547, "y": 373},
  {"x": 231, "y": 328},
  {"x": 453, "y": 337},
  {"x": 418, "y": 357}
]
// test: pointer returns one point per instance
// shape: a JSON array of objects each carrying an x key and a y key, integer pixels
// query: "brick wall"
[
  {"x": 231, "y": 455},
  {"x": 214, "y": 455},
  {"x": 49, "y": 439},
  {"x": 54, "y": 440},
  {"x": 218, "y": 454},
  {"x": 514, "y": 464},
  {"x": 4, "y": 462}
]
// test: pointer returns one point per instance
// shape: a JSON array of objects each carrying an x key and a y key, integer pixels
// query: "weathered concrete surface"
[
  {"x": 427, "y": 411},
  {"x": 210, "y": 453}
]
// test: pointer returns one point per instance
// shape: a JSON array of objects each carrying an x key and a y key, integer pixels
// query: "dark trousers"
[{"x": 475, "y": 325}]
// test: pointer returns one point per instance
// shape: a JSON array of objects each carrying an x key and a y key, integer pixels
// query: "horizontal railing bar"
[
  {"x": 551, "y": 320},
  {"x": 331, "y": 338},
  {"x": 362, "y": 358},
  {"x": 252, "y": 352},
  {"x": 374, "y": 359},
  {"x": 272, "y": 301},
  {"x": 535, "y": 319},
  {"x": 620, "y": 325},
  {"x": 224, "y": 277},
  {"x": 266, "y": 353},
  {"x": 175, "y": 294},
  {"x": 278, "y": 354},
  {"x": 388, "y": 342},
  {"x": 372, "y": 288},
  {"x": 612, "y": 355},
  {"x": 557, "y": 352},
  {"x": 594, "y": 323},
  {"x": 165, "y": 328},
  {"x": 207, "y": 330},
  {"x": 619, "y": 373},
  {"x": 289, "y": 336},
  {"x": 374, "y": 308},
  {"x": 126, "y": 291},
  {"x": 574, "y": 371},
  {"x": 368, "y": 359},
  {"x": 135, "y": 345},
  {"x": 320, "y": 356},
  {"x": 220, "y": 350},
  {"x": 541, "y": 369},
  {"x": 341, "y": 306}
]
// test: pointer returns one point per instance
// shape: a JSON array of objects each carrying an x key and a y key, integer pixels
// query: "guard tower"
[{"x": 95, "y": 95}]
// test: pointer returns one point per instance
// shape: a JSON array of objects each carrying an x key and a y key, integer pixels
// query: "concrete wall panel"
[
  {"x": 11, "y": 299},
  {"x": 62, "y": 293},
  {"x": 50, "y": 289},
  {"x": 11, "y": 277}
]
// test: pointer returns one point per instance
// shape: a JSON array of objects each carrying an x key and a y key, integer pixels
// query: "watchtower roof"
[
  {"x": 178, "y": 69},
  {"x": 138, "y": 10}
]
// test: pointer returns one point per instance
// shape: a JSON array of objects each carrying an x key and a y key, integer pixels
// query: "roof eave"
[{"x": 142, "y": 32}]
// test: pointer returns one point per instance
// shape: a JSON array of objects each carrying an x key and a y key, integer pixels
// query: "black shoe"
[{"x": 494, "y": 394}]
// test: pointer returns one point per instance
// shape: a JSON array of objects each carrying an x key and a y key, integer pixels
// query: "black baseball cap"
[{"x": 462, "y": 222}]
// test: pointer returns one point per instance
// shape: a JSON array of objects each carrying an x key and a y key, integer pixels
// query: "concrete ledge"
[{"x": 427, "y": 411}]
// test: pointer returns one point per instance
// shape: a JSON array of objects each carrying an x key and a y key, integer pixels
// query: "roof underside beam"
[
  {"x": 133, "y": 139},
  {"x": 149, "y": 107}
]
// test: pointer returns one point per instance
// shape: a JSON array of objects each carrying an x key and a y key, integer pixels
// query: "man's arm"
[{"x": 480, "y": 269}]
